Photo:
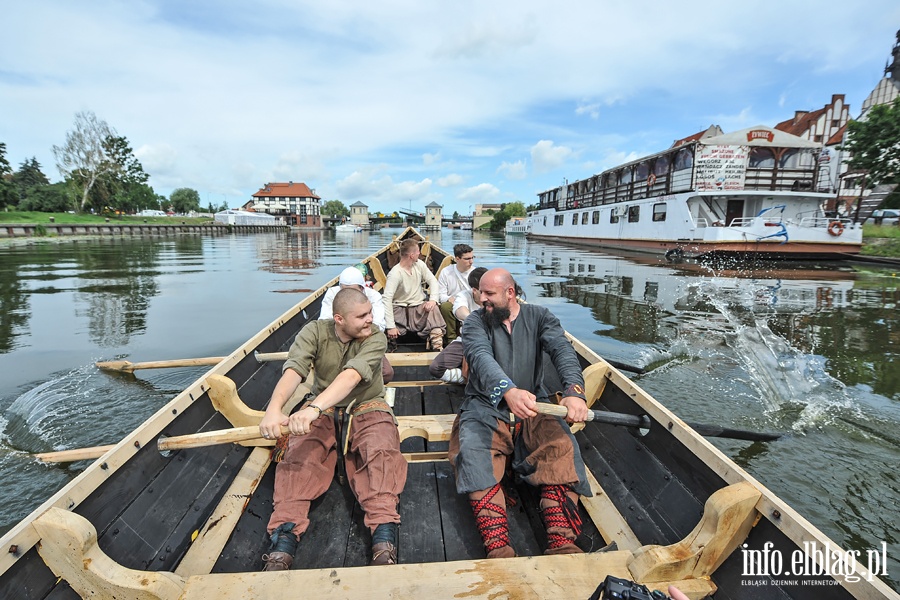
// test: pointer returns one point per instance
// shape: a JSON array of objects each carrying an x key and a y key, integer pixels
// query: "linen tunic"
[
  {"x": 318, "y": 342},
  {"x": 405, "y": 289}
]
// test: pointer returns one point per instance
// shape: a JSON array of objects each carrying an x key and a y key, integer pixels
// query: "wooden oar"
[
  {"x": 124, "y": 366},
  {"x": 644, "y": 422},
  {"x": 76, "y": 454}
]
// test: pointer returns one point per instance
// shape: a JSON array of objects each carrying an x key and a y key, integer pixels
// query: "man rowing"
[
  {"x": 345, "y": 353},
  {"x": 504, "y": 345}
]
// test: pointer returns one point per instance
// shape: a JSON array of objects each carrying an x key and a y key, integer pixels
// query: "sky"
[{"x": 401, "y": 103}]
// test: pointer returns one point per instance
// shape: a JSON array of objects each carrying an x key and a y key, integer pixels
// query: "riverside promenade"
[{"x": 14, "y": 230}]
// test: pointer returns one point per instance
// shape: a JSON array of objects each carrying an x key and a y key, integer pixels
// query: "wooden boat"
[{"x": 138, "y": 524}]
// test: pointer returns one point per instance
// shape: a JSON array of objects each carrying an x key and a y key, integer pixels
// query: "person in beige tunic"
[
  {"x": 345, "y": 354},
  {"x": 406, "y": 307}
]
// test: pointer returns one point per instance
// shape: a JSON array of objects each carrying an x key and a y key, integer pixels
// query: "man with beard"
[
  {"x": 504, "y": 346},
  {"x": 345, "y": 354}
]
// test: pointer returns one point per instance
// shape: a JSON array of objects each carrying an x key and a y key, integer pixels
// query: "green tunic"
[{"x": 318, "y": 346}]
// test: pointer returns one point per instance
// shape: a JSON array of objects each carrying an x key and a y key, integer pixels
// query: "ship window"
[
  {"x": 761, "y": 158},
  {"x": 634, "y": 214},
  {"x": 662, "y": 166},
  {"x": 614, "y": 215},
  {"x": 557, "y": 220},
  {"x": 641, "y": 172},
  {"x": 574, "y": 218},
  {"x": 659, "y": 211},
  {"x": 684, "y": 159},
  {"x": 584, "y": 218},
  {"x": 790, "y": 159},
  {"x": 595, "y": 217},
  {"x": 625, "y": 176},
  {"x": 604, "y": 181}
]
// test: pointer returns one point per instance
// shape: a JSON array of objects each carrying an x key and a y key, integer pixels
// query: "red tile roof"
[
  {"x": 838, "y": 136},
  {"x": 286, "y": 190},
  {"x": 708, "y": 132},
  {"x": 801, "y": 122}
]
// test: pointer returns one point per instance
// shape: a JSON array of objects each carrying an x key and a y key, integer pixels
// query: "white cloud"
[
  {"x": 592, "y": 110},
  {"x": 513, "y": 171},
  {"x": 429, "y": 159},
  {"x": 450, "y": 180},
  {"x": 481, "y": 193},
  {"x": 159, "y": 159},
  {"x": 371, "y": 186},
  {"x": 545, "y": 156}
]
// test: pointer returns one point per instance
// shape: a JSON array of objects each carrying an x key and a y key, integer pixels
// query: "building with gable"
[
  {"x": 824, "y": 126},
  {"x": 292, "y": 202},
  {"x": 359, "y": 214}
]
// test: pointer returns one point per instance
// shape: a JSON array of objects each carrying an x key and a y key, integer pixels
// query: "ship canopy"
[{"x": 759, "y": 135}]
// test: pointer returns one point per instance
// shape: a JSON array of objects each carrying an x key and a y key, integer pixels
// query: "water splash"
[
  {"x": 793, "y": 386},
  {"x": 42, "y": 411}
]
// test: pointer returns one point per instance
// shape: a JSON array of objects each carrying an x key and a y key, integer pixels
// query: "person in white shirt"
[
  {"x": 406, "y": 307},
  {"x": 351, "y": 277},
  {"x": 452, "y": 281},
  {"x": 448, "y": 365}
]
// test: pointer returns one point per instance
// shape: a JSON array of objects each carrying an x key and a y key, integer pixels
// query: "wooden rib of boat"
[{"x": 138, "y": 524}]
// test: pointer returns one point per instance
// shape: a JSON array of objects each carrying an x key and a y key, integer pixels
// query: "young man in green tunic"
[{"x": 345, "y": 354}]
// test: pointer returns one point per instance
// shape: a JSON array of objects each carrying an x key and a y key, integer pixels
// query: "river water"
[{"x": 810, "y": 350}]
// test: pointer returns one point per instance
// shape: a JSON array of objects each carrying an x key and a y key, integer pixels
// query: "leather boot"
[
  {"x": 489, "y": 507},
  {"x": 559, "y": 511},
  {"x": 436, "y": 337},
  {"x": 281, "y": 550},
  {"x": 384, "y": 544}
]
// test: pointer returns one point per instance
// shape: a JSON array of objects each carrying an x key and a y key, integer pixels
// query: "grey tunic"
[
  {"x": 545, "y": 451},
  {"x": 499, "y": 360}
]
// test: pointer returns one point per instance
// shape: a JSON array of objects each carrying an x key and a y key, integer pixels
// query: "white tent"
[{"x": 759, "y": 136}]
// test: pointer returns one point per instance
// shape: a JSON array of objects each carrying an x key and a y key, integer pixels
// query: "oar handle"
[
  {"x": 211, "y": 438},
  {"x": 644, "y": 422},
  {"x": 599, "y": 416}
]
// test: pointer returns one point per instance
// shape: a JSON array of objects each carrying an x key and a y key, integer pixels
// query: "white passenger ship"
[{"x": 750, "y": 192}]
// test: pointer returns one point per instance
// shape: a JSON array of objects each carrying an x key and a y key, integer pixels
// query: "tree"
[
  {"x": 184, "y": 200},
  {"x": 29, "y": 176},
  {"x": 514, "y": 209},
  {"x": 8, "y": 195},
  {"x": 83, "y": 158},
  {"x": 506, "y": 212},
  {"x": 122, "y": 186},
  {"x": 874, "y": 146},
  {"x": 455, "y": 215},
  {"x": 335, "y": 208},
  {"x": 55, "y": 197}
]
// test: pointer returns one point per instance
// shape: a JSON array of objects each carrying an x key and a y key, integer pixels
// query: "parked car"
[
  {"x": 888, "y": 216},
  {"x": 151, "y": 213}
]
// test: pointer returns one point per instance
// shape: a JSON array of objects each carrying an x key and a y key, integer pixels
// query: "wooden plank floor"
[{"x": 437, "y": 522}]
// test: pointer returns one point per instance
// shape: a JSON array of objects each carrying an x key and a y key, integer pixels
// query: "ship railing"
[
  {"x": 765, "y": 221},
  {"x": 825, "y": 222}
]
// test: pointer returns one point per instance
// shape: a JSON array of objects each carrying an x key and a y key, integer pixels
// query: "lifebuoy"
[
  {"x": 835, "y": 228},
  {"x": 651, "y": 179}
]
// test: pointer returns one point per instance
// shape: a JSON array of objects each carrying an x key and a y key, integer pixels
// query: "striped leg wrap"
[
  {"x": 494, "y": 529},
  {"x": 559, "y": 512}
]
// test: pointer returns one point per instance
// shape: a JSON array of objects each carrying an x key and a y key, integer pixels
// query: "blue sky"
[{"x": 401, "y": 103}]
